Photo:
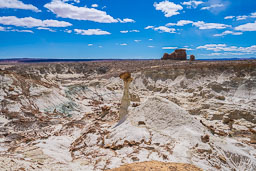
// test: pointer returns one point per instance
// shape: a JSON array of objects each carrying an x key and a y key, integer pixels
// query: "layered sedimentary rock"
[{"x": 178, "y": 54}]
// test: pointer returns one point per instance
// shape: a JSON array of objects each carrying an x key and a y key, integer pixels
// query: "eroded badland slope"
[{"x": 61, "y": 116}]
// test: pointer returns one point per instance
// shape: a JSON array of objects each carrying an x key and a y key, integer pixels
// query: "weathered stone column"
[{"x": 125, "y": 102}]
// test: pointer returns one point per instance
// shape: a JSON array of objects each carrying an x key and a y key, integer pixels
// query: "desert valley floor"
[{"x": 62, "y": 116}]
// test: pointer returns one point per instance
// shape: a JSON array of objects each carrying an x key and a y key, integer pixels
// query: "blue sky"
[{"x": 141, "y": 29}]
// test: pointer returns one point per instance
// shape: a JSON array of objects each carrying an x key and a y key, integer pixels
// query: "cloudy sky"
[{"x": 143, "y": 29}]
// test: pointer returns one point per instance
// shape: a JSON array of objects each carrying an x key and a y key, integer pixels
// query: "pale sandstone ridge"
[
  {"x": 178, "y": 54},
  {"x": 157, "y": 166}
]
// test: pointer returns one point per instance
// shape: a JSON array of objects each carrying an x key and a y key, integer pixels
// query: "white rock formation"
[{"x": 125, "y": 102}]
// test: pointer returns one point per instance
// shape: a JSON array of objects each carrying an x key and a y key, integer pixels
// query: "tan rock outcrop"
[
  {"x": 156, "y": 166},
  {"x": 205, "y": 139},
  {"x": 253, "y": 136},
  {"x": 134, "y": 97},
  {"x": 192, "y": 58},
  {"x": 178, "y": 54}
]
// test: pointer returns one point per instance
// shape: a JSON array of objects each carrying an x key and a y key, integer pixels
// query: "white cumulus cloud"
[
  {"x": 203, "y": 26},
  {"x": 2, "y": 28},
  {"x": 212, "y": 6},
  {"x": 168, "y": 8},
  {"x": 226, "y": 48},
  {"x": 228, "y": 32},
  {"x": 200, "y": 24},
  {"x": 66, "y": 10},
  {"x": 227, "y": 53},
  {"x": 162, "y": 29},
  {"x": 9, "y": 29},
  {"x": 126, "y": 20},
  {"x": 229, "y": 17},
  {"x": 16, "y": 4},
  {"x": 193, "y": 4},
  {"x": 180, "y": 23},
  {"x": 241, "y": 17},
  {"x": 214, "y": 47},
  {"x": 76, "y": 1},
  {"x": 124, "y": 31},
  {"x": 127, "y": 31},
  {"x": 124, "y": 44},
  {"x": 45, "y": 28},
  {"x": 68, "y": 31},
  {"x": 188, "y": 49},
  {"x": 22, "y": 31},
  {"x": 136, "y": 31},
  {"x": 169, "y": 47},
  {"x": 90, "y": 32},
  {"x": 149, "y": 27},
  {"x": 247, "y": 27},
  {"x": 253, "y": 15},
  {"x": 95, "y": 5},
  {"x": 32, "y": 22}
]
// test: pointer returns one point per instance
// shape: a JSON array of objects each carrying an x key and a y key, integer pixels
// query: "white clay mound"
[
  {"x": 161, "y": 114},
  {"x": 163, "y": 118}
]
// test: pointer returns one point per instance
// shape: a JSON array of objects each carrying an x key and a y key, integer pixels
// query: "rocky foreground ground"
[{"x": 61, "y": 116}]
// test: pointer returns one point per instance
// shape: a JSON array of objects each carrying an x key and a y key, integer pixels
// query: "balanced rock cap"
[{"x": 126, "y": 76}]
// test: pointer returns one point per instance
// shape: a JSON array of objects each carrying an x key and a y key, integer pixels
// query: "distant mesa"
[{"x": 178, "y": 54}]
